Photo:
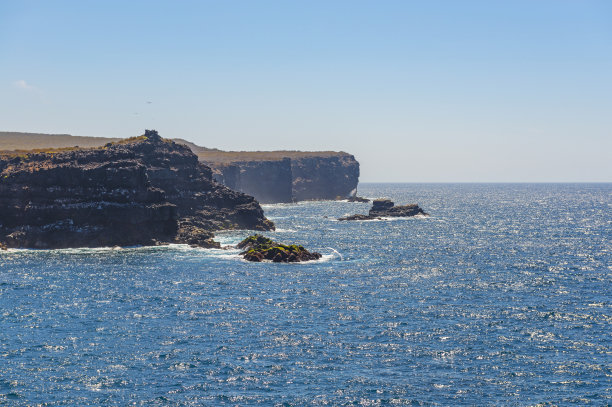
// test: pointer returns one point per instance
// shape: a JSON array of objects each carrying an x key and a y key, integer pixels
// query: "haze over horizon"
[{"x": 441, "y": 91}]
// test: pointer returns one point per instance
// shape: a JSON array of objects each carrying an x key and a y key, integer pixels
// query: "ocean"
[{"x": 501, "y": 297}]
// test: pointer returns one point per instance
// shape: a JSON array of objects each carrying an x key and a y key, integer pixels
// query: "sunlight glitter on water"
[{"x": 482, "y": 301}]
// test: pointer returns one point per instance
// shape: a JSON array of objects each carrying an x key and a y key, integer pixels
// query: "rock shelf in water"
[
  {"x": 258, "y": 248},
  {"x": 356, "y": 198},
  {"x": 382, "y": 208}
]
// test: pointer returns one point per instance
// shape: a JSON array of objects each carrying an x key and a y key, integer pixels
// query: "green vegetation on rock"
[{"x": 258, "y": 248}]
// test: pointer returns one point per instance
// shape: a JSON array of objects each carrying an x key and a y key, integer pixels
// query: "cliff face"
[
  {"x": 324, "y": 177},
  {"x": 269, "y": 176},
  {"x": 267, "y": 181},
  {"x": 139, "y": 192},
  {"x": 298, "y": 178}
]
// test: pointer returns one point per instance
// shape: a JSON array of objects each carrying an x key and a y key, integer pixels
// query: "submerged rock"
[
  {"x": 141, "y": 191},
  {"x": 356, "y": 198},
  {"x": 258, "y": 248},
  {"x": 382, "y": 208},
  {"x": 357, "y": 217}
]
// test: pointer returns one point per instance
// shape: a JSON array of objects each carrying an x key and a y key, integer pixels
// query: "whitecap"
[{"x": 336, "y": 253}]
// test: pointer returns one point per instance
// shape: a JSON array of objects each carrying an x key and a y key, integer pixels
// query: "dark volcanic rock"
[
  {"x": 140, "y": 191},
  {"x": 386, "y": 208},
  {"x": 259, "y": 248},
  {"x": 290, "y": 179},
  {"x": 324, "y": 177},
  {"x": 356, "y": 198},
  {"x": 269, "y": 176},
  {"x": 268, "y": 181}
]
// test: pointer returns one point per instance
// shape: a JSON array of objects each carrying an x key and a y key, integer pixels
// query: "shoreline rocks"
[
  {"x": 257, "y": 248},
  {"x": 382, "y": 208},
  {"x": 140, "y": 191}
]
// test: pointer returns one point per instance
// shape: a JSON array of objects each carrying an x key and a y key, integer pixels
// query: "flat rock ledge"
[
  {"x": 356, "y": 198},
  {"x": 258, "y": 248},
  {"x": 383, "y": 208}
]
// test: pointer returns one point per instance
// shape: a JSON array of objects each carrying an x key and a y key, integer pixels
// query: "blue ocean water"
[{"x": 501, "y": 297}]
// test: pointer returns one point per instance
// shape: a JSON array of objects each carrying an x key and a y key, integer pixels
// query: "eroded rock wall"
[
  {"x": 292, "y": 179},
  {"x": 138, "y": 192},
  {"x": 324, "y": 177},
  {"x": 268, "y": 181}
]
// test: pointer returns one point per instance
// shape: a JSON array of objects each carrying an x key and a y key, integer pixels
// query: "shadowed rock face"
[
  {"x": 324, "y": 177},
  {"x": 137, "y": 192},
  {"x": 283, "y": 176},
  {"x": 292, "y": 178},
  {"x": 385, "y": 207},
  {"x": 268, "y": 181}
]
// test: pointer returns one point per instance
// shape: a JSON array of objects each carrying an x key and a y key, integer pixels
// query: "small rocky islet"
[
  {"x": 257, "y": 248},
  {"x": 382, "y": 208}
]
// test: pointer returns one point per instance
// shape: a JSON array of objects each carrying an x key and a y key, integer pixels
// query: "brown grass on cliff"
[
  {"x": 225, "y": 157},
  {"x": 25, "y": 153},
  {"x": 31, "y": 141}
]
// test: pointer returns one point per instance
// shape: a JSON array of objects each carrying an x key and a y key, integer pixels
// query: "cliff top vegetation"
[
  {"x": 226, "y": 157},
  {"x": 10, "y": 141}
]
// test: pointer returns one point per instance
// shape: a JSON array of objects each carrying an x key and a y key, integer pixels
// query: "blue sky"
[{"x": 428, "y": 91}]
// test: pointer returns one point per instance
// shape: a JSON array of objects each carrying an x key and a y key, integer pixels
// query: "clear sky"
[{"x": 418, "y": 91}]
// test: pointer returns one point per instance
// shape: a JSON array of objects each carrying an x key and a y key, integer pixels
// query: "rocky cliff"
[
  {"x": 269, "y": 176},
  {"x": 140, "y": 191},
  {"x": 268, "y": 181},
  {"x": 295, "y": 176},
  {"x": 324, "y": 177},
  {"x": 283, "y": 176}
]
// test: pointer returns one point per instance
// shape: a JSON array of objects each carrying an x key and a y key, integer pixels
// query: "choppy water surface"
[{"x": 501, "y": 297}]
